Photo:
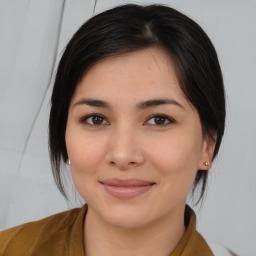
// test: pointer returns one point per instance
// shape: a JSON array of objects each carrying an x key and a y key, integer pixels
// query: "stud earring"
[
  {"x": 68, "y": 162},
  {"x": 206, "y": 163}
]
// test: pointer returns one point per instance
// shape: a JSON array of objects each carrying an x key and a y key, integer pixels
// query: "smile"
[{"x": 126, "y": 189}]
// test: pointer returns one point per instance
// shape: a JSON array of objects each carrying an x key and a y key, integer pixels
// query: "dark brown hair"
[{"x": 128, "y": 28}]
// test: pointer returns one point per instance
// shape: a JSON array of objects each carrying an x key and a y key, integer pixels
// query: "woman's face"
[{"x": 134, "y": 141}]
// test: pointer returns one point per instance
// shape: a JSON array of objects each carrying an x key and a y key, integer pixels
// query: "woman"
[{"x": 138, "y": 113}]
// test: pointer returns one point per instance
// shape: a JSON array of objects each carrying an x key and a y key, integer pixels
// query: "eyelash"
[{"x": 84, "y": 119}]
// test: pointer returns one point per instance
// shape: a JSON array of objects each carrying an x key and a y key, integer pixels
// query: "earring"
[
  {"x": 206, "y": 163},
  {"x": 68, "y": 162}
]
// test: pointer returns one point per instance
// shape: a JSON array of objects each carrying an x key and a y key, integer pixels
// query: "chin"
[
  {"x": 126, "y": 218},
  {"x": 127, "y": 222}
]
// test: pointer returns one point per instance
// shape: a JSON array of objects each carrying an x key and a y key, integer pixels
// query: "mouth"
[{"x": 126, "y": 189}]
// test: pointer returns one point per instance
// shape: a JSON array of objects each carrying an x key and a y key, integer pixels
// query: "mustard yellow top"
[{"x": 62, "y": 234}]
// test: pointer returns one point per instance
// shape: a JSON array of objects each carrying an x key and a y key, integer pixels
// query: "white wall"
[{"x": 33, "y": 35}]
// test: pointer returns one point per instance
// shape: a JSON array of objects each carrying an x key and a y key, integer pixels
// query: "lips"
[{"x": 126, "y": 189}]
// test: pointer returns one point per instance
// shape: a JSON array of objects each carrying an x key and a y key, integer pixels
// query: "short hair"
[{"x": 132, "y": 27}]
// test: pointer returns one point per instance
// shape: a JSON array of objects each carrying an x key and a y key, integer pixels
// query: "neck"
[{"x": 158, "y": 238}]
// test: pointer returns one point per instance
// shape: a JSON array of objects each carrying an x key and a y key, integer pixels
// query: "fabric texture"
[{"x": 62, "y": 234}]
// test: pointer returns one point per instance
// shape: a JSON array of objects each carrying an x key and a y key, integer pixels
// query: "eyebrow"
[{"x": 140, "y": 106}]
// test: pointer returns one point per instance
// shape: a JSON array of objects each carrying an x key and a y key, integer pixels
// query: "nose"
[{"x": 124, "y": 150}]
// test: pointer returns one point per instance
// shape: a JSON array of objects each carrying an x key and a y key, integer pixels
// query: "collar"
[{"x": 191, "y": 244}]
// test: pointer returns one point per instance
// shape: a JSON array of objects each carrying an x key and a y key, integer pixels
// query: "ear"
[{"x": 207, "y": 151}]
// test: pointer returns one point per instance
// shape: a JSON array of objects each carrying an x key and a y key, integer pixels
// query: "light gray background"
[{"x": 32, "y": 37}]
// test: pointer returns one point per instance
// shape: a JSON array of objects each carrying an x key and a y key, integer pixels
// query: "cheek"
[
  {"x": 177, "y": 167},
  {"x": 85, "y": 155},
  {"x": 176, "y": 159},
  {"x": 84, "y": 152}
]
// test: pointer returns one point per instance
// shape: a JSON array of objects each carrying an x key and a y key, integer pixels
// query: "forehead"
[{"x": 144, "y": 73}]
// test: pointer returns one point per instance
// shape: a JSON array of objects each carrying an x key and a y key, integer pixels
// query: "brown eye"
[
  {"x": 97, "y": 120},
  {"x": 160, "y": 120},
  {"x": 94, "y": 120}
]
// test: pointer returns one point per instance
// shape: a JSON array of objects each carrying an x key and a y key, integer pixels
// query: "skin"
[{"x": 130, "y": 143}]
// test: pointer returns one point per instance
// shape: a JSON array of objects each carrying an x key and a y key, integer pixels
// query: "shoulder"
[
  {"x": 199, "y": 245},
  {"x": 20, "y": 239}
]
